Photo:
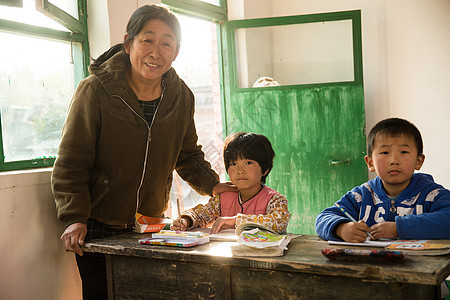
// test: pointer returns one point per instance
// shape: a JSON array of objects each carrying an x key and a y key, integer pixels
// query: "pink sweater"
[{"x": 230, "y": 206}]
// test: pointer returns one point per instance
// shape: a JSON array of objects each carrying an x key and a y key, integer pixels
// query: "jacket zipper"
[
  {"x": 149, "y": 138},
  {"x": 393, "y": 209}
]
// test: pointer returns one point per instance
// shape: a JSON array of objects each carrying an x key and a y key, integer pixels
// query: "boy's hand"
[
  {"x": 223, "y": 223},
  {"x": 384, "y": 230},
  {"x": 222, "y": 187},
  {"x": 179, "y": 224},
  {"x": 353, "y": 232}
]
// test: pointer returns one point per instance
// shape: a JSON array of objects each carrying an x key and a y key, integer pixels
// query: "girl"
[{"x": 248, "y": 159}]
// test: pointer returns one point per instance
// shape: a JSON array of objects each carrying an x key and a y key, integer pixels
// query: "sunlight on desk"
[{"x": 219, "y": 249}]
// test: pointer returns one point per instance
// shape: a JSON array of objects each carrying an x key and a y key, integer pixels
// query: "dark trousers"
[{"x": 92, "y": 266}]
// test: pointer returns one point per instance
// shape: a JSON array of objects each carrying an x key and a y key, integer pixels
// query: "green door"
[{"x": 314, "y": 117}]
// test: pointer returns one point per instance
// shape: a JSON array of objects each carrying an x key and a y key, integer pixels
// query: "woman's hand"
[
  {"x": 223, "y": 223},
  {"x": 223, "y": 187},
  {"x": 73, "y": 237}
]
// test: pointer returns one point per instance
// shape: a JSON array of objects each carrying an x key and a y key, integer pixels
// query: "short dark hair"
[
  {"x": 252, "y": 146},
  {"x": 149, "y": 12},
  {"x": 394, "y": 127}
]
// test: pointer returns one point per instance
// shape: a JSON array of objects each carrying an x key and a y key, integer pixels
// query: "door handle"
[{"x": 339, "y": 162}]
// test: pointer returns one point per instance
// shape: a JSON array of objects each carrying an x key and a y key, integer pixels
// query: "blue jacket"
[{"x": 421, "y": 211}]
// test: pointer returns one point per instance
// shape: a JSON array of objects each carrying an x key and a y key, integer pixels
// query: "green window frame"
[
  {"x": 214, "y": 13},
  {"x": 77, "y": 33},
  {"x": 200, "y": 9},
  {"x": 229, "y": 28}
]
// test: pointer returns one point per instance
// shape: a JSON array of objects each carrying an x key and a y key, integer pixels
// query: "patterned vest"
[{"x": 230, "y": 206}]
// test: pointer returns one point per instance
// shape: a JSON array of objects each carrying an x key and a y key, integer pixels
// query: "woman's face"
[{"x": 152, "y": 50}]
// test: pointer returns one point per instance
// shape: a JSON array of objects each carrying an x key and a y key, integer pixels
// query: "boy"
[{"x": 398, "y": 203}]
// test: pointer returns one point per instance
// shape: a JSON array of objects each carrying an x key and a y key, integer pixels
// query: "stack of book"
[
  {"x": 144, "y": 224},
  {"x": 258, "y": 240},
  {"x": 176, "y": 238}
]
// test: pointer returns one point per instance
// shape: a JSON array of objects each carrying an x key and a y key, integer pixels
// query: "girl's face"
[
  {"x": 246, "y": 175},
  {"x": 152, "y": 51}
]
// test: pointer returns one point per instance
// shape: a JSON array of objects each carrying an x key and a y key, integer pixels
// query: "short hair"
[
  {"x": 149, "y": 12},
  {"x": 395, "y": 127},
  {"x": 252, "y": 146}
]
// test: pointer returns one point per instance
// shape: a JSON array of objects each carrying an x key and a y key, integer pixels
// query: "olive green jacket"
[{"x": 111, "y": 163}]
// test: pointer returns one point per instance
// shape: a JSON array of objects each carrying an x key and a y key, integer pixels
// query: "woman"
[{"x": 130, "y": 124}]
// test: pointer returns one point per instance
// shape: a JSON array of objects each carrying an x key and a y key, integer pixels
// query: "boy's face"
[{"x": 394, "y": 159}]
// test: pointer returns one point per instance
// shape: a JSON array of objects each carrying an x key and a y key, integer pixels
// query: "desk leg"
[
  {"x": 109, "y": 276},
  {"x": 226, "y": 279}
]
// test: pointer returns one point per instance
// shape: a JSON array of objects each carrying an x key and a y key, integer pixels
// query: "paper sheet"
[
  {"x": 226, "y": 235},
  {"x": 367, "y": 243}
]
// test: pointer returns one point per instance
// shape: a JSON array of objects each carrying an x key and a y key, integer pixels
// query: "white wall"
[
  {"x": 33, "y": 264},
  {"x": 108, "y": 20},
  {"x": 406, "y": 61}
]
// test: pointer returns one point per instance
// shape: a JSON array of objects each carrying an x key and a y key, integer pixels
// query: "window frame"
[
  {"x": 199, "y": 9},
  {"x": 230, "y": 27},
  {"x": 214, "y": 13},
  {"x": 78, "y": 33}
]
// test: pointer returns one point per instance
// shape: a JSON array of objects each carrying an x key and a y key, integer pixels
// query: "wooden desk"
[{"x": 138, "y": 271}]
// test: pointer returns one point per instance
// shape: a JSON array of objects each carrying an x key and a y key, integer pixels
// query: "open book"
[
  {"x": 250, "y": 225},
  {"x": 258, "y": 240},
  {"x": 410, "y": 247},
  {"x": 421, "y": 247},
  {"x": 231, "y": 235}
]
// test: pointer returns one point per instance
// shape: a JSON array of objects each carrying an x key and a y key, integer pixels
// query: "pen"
[{"x": 351, "y": 218}]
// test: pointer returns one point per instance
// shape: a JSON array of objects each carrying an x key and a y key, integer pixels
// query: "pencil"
[{"x": 351, "y": 218}]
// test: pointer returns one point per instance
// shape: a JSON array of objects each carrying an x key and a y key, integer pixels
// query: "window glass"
[
  {"x": 197, "y": 65},
  {"x": 29, "y": 15},
  {"x": 69, "y": 6},
  {"x": 317, "y": 53},
  {"x": 213, "y": 2},
  {"x": 36, "y": 84}
]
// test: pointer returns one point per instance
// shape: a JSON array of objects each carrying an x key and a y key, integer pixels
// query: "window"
[
  {"x": 44, "y": 56},
  {"x": 198, "y": 65},
  {"x": 212, "y": 10},
  {"x": 322, "y": 50},
  {"x": 319, "y": 52}
]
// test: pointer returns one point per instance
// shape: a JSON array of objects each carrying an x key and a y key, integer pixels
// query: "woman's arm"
[{"x": 76, "y": 156}]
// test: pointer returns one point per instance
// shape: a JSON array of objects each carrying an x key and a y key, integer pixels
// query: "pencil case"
[{"x": 359, "y": 255}]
